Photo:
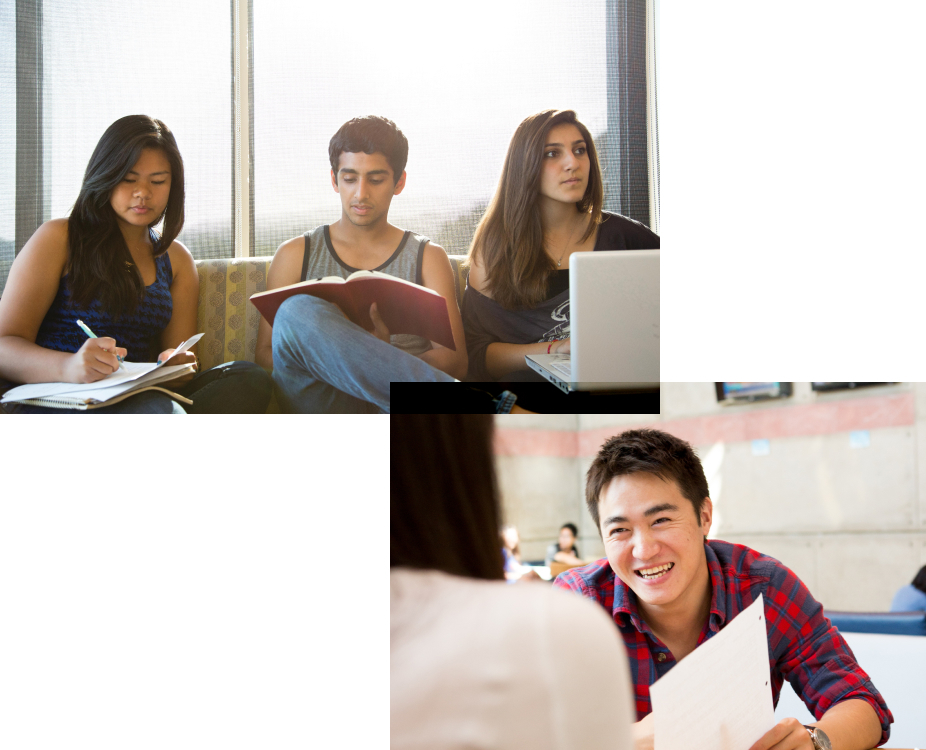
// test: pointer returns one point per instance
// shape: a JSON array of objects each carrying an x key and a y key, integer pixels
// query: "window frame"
[{"x": 32, "y": 202}]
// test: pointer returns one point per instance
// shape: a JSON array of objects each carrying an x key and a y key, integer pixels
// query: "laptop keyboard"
[{"x": 563, "y": 367}]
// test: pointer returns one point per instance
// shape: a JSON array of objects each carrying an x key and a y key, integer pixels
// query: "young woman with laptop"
[{"x": 548, "y": 206}]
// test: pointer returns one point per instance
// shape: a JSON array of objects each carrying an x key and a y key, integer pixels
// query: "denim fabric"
[{"x": 323, "y": 363}]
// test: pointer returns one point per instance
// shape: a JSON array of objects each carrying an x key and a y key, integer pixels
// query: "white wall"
[{"x": 850, "y": 521}]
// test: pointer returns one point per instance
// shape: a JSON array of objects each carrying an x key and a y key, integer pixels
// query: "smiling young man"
[
  {"x": 321, "y": 361},
  {"x": 669, "y": 589}
]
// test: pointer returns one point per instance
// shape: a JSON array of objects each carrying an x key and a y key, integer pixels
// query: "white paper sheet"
[
  {"x": 132, "y": 371},
  {"x": 719, "y": 697},
  {"x": 182, "y": 348}
]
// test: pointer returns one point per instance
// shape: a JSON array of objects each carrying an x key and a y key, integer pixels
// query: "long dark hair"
[
  {"x": 99, "y": 262},
  {"x": 509, "y": 238},
  {"x": 444, "y": 512},
  {"x": 919, "y": 581}
]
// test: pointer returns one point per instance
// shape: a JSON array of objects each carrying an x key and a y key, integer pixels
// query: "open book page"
[
  {"x": 190, "y": 342},
  {"x": 718, "y": 697},
  {"x": 405, "y": 307},
  {"x": 161, "y": 375},
  {"x": 379, "y": 275},
  {"x": 132, "y": 371},
  {"x": 135, "y": 375}
]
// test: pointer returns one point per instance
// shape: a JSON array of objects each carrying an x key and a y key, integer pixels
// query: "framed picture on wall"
[
  {"x": 842, "y": 386},
  {"x": 733, "y": 393}
]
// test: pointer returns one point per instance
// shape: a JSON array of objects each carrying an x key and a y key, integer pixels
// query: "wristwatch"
[{"x": 818, "y": 738}]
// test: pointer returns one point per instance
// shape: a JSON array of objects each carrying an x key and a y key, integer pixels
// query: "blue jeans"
[
  {"x": 229, "y": 388},
  {"x": 323, "y": 363}
]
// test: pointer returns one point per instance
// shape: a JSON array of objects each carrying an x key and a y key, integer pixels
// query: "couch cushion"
[{"x": 225, "y": 315}]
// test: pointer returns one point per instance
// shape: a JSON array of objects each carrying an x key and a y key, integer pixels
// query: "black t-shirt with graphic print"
[{"x": 486, "y": 322}]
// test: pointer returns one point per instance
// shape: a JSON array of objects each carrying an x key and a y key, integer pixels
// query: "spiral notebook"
[{"x": 136, "y": 377}]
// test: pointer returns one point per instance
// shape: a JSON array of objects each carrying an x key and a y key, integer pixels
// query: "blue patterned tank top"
[{"x": 137, "y": 332}]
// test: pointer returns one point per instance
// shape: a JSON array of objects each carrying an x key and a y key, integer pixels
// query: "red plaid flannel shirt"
[{"x": 804, "y": 648}]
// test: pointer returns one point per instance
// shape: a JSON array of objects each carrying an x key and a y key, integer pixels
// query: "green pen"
[{"x": 92, "y": 335}]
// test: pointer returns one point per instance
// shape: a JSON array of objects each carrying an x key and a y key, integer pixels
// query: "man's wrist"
[{"x": 819, "y": 738}]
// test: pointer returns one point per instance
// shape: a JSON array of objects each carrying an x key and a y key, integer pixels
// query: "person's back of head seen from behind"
[
  {"x": 912, "y": 597},
  {"x": 473, "y": 661}
]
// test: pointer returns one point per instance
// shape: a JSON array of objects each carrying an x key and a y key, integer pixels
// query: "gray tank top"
[{"x": 321, "y": 259}]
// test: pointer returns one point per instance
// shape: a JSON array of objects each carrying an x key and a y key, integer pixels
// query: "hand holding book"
[
  {"x": 403, "y": 307},
  {"x": 379, "y": 328}
]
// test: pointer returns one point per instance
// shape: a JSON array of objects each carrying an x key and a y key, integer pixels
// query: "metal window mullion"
[
  {"x": 241, "y": 135},
  {"x": 652, "y": 119},
  {"x": 30, "y": 187}
]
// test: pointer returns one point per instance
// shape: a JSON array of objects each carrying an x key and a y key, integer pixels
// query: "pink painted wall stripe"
[
  {"x": 562, "y": 443},
  {"x": 774, "y": 422}
]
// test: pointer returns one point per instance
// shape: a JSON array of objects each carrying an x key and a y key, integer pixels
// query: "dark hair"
[
  {"x": 919, "y": 581},
  {"x": 509, "y": 238},
  {"x": 572, "y": 528},
  {"x": 444, "y": 512},
  {"x": 371, "y": 134},
  {"x": 99, "y": 263},
  {"x": 650, "y": 451}
]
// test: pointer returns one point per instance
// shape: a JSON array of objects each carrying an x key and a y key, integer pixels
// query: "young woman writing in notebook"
[
  {"x": 134, "y": 287},
  {"x": 548, "y": 206}
]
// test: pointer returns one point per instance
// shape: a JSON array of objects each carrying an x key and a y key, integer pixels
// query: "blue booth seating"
[
  {"x": 891, "y": 623},
  {"x": 891, "y": 648}
]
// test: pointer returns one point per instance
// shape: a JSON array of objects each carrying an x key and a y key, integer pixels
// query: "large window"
[
  {"x": 93, "y": 63},
  {"x": 457, "y": 89},
  {"x": 7, "y": 136},
  {"x": 170, "y": 61}
]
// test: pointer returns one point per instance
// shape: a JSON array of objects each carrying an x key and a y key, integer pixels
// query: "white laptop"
[{"x": 614, "y": 324}]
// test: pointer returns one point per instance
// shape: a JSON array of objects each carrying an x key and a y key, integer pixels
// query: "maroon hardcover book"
[{"x": 404, "y": 307}]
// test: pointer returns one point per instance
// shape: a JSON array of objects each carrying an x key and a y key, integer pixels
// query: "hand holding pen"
[{"x": 97, "y": 358}]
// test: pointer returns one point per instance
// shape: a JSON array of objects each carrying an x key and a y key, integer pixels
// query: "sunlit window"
[
  {"x": 7, "y": 136},
  {"x": 457, "y": 90}
]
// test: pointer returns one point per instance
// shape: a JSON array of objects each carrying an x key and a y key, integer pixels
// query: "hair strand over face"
[
  {"x": 100, "y": 265},
  {"x": 509, "y": 238}
]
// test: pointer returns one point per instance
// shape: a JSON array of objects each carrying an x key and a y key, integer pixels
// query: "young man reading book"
[
  {"x": 321, "y": 361},
  {"x": 669, "y": 589}
]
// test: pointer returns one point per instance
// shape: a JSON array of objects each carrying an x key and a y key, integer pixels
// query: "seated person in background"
[
  {"x": 546, "y": 208},
  {"x": 134, "y": 286},
  {"x": 511, "y": 556},
  {"x": 473, "y": 662},
  {"x": 565, "y": 550},
  {"x": 321, "y": 361},
  {"x": 669, "y": 589},
  {"x": 912, "y": 597}
]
